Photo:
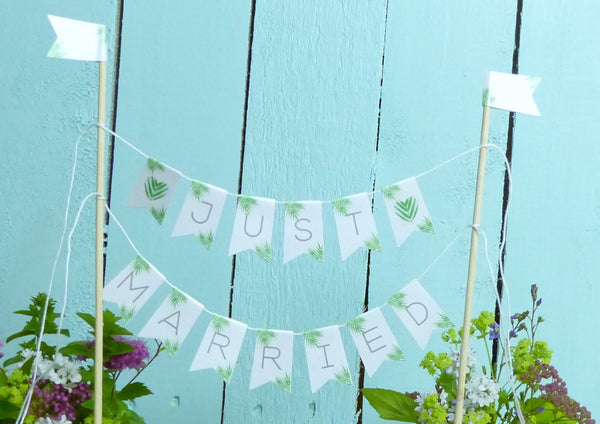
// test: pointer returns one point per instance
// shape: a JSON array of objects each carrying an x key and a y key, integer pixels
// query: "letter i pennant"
[
  {"x": 326, "y": 357},
  {"x": 273, "y": 356},
  {"x": 220, "y": 347},
  {"x": 253, "y": 226},
  {"x": 154, "y": 189}
]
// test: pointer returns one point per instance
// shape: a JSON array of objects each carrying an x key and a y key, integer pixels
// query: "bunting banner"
[
  {"x": 303, "y": 231},
  {"x": 78, "y": 40},
  {"x": 154, "y": 189},
  {"x": 273, "y": 355},
  {"x": 220, "y": 347},
  {"x": 511, "y": 92},
  {"x": 253, "y": 226},
  {"x": 326, "y": 357},
  {"x": 355, "y": 224}
]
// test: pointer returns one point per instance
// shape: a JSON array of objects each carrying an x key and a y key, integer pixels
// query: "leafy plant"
[
  {"x": 264, "y": 251},
  {"x": 206, "y": 239},
  {"x": 246, "y": 203},
  {"x": 199, "y": 190},
  {"x": 407, "y": 209},
  {"x": 317, "y": 253},
  {"x": 390, "y": 192},
  {"x": 311, "y": 338},
  {"x": 373, "y": 243},
  {"x": 292, "y": 209},
  {"x": 344, "y": 376},
  {"x": 341, "y": 205}
]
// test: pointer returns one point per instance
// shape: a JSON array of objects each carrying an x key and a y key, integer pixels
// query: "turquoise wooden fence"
[{"x": 310, "y": 100}]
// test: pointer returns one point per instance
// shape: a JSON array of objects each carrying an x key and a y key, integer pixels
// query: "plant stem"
[{"x": 139, "y": 370}]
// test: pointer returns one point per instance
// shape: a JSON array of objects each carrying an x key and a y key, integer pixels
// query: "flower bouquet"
[
  {"x": 531, "y": 392},
  {"x": 63, "y": 379}
]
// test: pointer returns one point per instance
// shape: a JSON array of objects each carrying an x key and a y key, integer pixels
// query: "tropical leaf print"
[
  {"x": 341, "y": 205},
  {"x": 356, "y": 324},
  {"x": 140, "y": 265},
  {"x": 317, "y": 253},
  {"x": 397, "y": 354},
  {"x": 158, "y": 214},
  {"x": 390, "y": 192},
  {"x": 344, "y": 376},
  {"x": 427, "y": 226},
  {"x": 155, "y": 189},
  {"x": 373, "y": 244},
  {"x": 126, "y": 312},
  {"x": 265, "y": 337},
  {"x": 284, "y": 382},
  {"x": 225, "y": 373},
  {"x": 398, "y": 301},
  {"x": 444, "y": 322},
  {"x": 407, "y": 210},
  {"x": 154, "y": 165},
  {"x": 171, "y": 347},
  {"x": 199, "y": 190},
  {"x": 177, "y": 297},
  {"x": 206, "y": 239},
  {"x": 246, "y": 203},
  {"x": 264, "y": 251},
  {"x": 219, "y": 323},
  {"x": 311, "y": 338},
  {"x": 293, "y": 208}
]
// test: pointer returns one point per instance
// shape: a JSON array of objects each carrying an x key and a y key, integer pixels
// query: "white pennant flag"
[
  {"x": 326, "y": 357},
  {"x": 133, "y": 286},
  {"x": 406, "y": 209},
  {"x": 303, "y": 230},
  {"x": 511, "y": 92},
  {"x": 173, "y": 320},
  {"x": 419, "y": 312},
  {"x": 253, "y": 226},
  {"x": 273, "y": 356},
  {"x": 78, "y": 40},
  {"x": 154, "y": 189},
  {"x": 201, "y": 213},
  {"x": 220, "y": 347},
  {"x": 374, "y": 340},
  {"x": 355, "y": 224}
]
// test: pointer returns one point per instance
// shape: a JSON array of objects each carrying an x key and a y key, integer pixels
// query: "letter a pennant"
[
  {"x": 273, "y": 356},
  {"x": 173, "y": 320},
  {"x": 133, "y": 286},
  {"x": 374, "y": 340},
  {"x": 220, "y": 347},
  {"x": 326, "y": 357},
  {"x": 303, "y": 230},
  {"x": 355, "y": 224},
  {"x": 253, "y": 226}
]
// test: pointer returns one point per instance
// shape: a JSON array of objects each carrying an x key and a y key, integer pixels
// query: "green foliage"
[
  {"x": 206, "y": 239},
  {"x": 373, "y": 243},
  {"x": 427, "y": 226},
  {"x": 158, "y": 214},
  {"x": 317, "y": 253},
  {"x": 133, "y": 391},
  {"x": 341, "y": 205},
  {"x": 225, "y": 373},
  {"x": 154, "y": 165},
  {"x": 219, "y": 323},
  {"x": 284, "y": 382},
  {"x": 264, "y": 251},
  {"x": 140, "y": 265},
  {"x": 444, "y": 322},
  {"x": 265, "y": 337},
  {"x": 293, "y": 208},
  {"x": 356, "y": 324},
  {"x": 390, "y": 191},
  {"x": 171, "y": 347},
  {"x": 246, "y": 203},
  {"x": 127, "y": 312},
  {"x": 177, "y": 297},
  {"x": 199, "y": 190},
  {"x": 311, "y": 338},
  {"x": 391, "y": 405},
  {"x": 398, "y": 301},
  {"x": 407, "y": 209},
  {"x": 344, "y": 376},
  {"x": 397, "y": 354},
  {"x": 155, "y": 189}
]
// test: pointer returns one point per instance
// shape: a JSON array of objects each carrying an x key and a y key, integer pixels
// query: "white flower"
[
  {"x": 481, "y": 390},
  {"x": 49, "y": 420},
  {"x": 455, "y": 366}
]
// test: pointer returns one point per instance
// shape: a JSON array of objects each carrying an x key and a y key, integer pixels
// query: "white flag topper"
[
  {"x": 511, "y": 92},
  {"x": 78, "y": 40}
]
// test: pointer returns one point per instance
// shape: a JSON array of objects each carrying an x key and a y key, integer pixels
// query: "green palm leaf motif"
[
  {"x": 311, "y": 338},
  {"x": 284, "y": 382},
  {"x": 344, "y": 376},
  {"x": 140, "y": 265},
  {"x": 317, "y": 253},
  {"x": 225, "y": 373},
  {"x": 397, "y": 354},
  {"x": 155, "y": 189},
  {"x": 171, "y": 347},
  {"x": 154, "y": 165},
  {"x": 407, "y": 210},
  {"x": 487, "y": 99},
  {"x": 390, "y": 192},
  {"x": 199, "y": 190},
  {"x": 206, "y": 239},
  {"x": 373, "y": 243},
  {"x": 341, "y": 205},
  {"x": 356, "y": 324},
  {"x": 398, "y": 301},
  {"x": 246, "y": 203},
  {"x": 126, "y": 312},
  {"x": 265, "y": 337},
  {"x": 219, "y": 323},
  {"x": 444, "y": 322},
  {"x": 158, "y": 214},
  {"x": 293, "y": 208},
  {"x": 177, "y": 297},
  {"x": 264, "y": 251},
  {"x": 427, "y": 226}
]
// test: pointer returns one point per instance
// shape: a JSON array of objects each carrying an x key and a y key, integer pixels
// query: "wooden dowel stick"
[
  {"x": 99, "y": 329},
  {"x": 466, "y": 333}
]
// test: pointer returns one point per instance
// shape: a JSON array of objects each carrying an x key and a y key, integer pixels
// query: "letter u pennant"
[
  {"x": 273, "y": 354},
  {"x": 326, "y": 357},
  {"x": 253, "y": 226}
]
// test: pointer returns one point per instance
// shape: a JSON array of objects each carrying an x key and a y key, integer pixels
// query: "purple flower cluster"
[
  {"x": 1, "y": 354},
  {"x": 55, "y": 400},
  {"x": 134, "y": 359}
]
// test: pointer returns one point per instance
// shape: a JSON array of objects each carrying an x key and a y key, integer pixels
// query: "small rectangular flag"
[
  {"x": 220, "y": 347},
  {"x": 355, "y": 224},
  {"x": 78, "y": 40},
  {"x": 133, "y": 286},
  {"x": 253, "y": 226},
  {"x": 511, "y": 92},
  {"x": 303, "y": 230},
  {"x": 326, "y": 357},
  {"x": 273, "y": 355}
]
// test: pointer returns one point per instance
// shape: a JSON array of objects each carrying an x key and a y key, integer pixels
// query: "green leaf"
[
  {"x": 158, "y": 214},
  {"x": 390, "y": 191},
  {"x": 199, "y": 190},
  {"x": 311, "y": 338},
  {"x": 407, "y": 210},
  {"x": 392, "y": 405},
  {"x": 219, "y": 323},
  {"x": 78, "y": 348},
  {"x": 344, "y": 376},
  {"x": 154, "y": 165},
  {"x": 225, "y": 373},
  {"x": 171, "y": 347},
  {"x": 397, "y": 354},
  {"x": 317, "y": 253},
  {"x": 448, "y": 382},
  {"x": 264, "y": 251},
  {"x": 155, "y": 189},
  {"x": 444, "y": 322},
  {"x": 127, "y": 312},
  {"x": 246, "y": 203},
  {"x": 293, "y": 208},
  {"x": 398, "y": 301},
  {"x": 341, "y": 205},
  {"x": 206, "y": 239},
  {"x": 133, "y": 391},
  {"x": 8, "y": 411},
  {"x": 356, "y": 324},
  {"x": 427, "y": 227},
  {"x": 284, "y": 382},
  {"x": 265, "y": 337},
  {"x": 373, "y": 243},
  {"x": 177, "y": 297},
  {"x": 140, "y": 265}
]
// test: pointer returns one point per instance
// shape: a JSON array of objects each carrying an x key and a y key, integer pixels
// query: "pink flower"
[{"x": 133, "y": 359}]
